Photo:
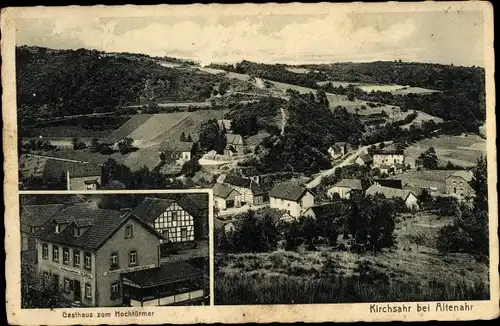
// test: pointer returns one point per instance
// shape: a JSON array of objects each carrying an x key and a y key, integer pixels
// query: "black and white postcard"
[{"x": 323, "y": 162}]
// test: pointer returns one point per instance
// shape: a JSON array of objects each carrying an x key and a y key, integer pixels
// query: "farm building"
[
  {"x": 409, "y": 197},
  {"x": 345, "y": 187},
  {"x": 249, "y": 191},
  {"x": 94, "y": 256},
  {"x": 291, "y": 197},
  {"x": 225, "y": 197},
  {"x": 411, "y": 161},
  {"x": 177, "y": 150},
  {"x": 338, "y": 149},
  {"x": 168, "y": 218},
  {"x": 457, "y": 185},
  {"x": 255, "y": 140},
  {"x": 84, "y": 176},
  {"x": 334, "y": 209},
  {"x": 381, "y": 157},
  {"x": 391, "y": 183},
  {"x": 225, "y": 123},
  {"x": 235, "y": 145},
  {"x": 365, "y": 159}
]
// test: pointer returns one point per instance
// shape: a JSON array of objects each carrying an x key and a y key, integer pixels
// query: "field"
[
  {"x": 394, "y": 89},
  {"x": 421, "y": 117},
  {"x": 414, "y": 90},
  {"x": 460, "y": 150},
  {"x": 333, "y": 275}
]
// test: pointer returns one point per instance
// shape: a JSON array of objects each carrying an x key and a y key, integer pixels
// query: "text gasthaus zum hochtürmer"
[{"x": 117, "y": 314}]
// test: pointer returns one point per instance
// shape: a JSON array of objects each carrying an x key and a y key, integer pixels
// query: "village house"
[
  {"x": 291, "y": 197},
  {"x": 254, "y": 141},
  {"x": 249, "y": 191},
  {"x": 33, "y": 217},
  {"x": 169, "y": 218},
  {"x": 225, "y": 197},
  {"x": 177, "y": 150},
  {"x": 364, "y": 159},
  {"x": 457, "y": 185},
  {"x": 411, "y": 161},
  {"x": 388, "y": 158},
  {"x": 334, "y": 209},
  {"x": 235, "y": 145},
  {"x": 105, "y": 258},
  {"x": 338, "y": 149},
  {"x": 408, "y": 196},
  {"x": 84, "y": 176},
  {"x": 345, "y": 187}
]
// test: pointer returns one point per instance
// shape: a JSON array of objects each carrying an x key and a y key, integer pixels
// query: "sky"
[{"x": 434, "y": 37}]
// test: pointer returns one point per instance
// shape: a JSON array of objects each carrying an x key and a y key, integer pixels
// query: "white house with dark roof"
[
  {"x": 177, "y": 150},
  {"x": 249, "y": 191},
  {"x": 291, "y": 197},
  {"x": 235, "y": 145},
  {"x": 225, "y": 197},
  {"x": 410, "y": 199},
  {"x": 83, "y": 176},
  {"x": 338, "y": 149},
  {"x": 364, "y": 159},
  {"x": 457, "y": 185},
  {"x": 345, "y": 187},
  {"x": 388, "y": 157}
]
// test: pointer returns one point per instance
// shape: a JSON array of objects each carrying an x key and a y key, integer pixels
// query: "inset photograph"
[{"x": 114, "y": 250}]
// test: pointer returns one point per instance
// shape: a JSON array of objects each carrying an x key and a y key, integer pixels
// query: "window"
[
  {"x": 55, "y": 281},
  {"x": 58, "y": 228},
  {"x": 76, "y": 257},
  {"x": 132, "y": 258},
  {"x": 88, "y": 291},
  {"x": 184, "y": 233},
  {"x": 45, "y": 251},
  {"x": 115, "y": 290},
  {"x": 76, "y": 231},
  {"x": 455, "y": 190},
  {"x": 88, "y": 261},
  {"x": 174, "y": 216},
  {"x": 67, "y": 284},
  {"x": 129, "y": 232},
  {"x": 55, "y": 253},
  {"x": 65, "y": 256},
  {"x": 114, "y": 260}
]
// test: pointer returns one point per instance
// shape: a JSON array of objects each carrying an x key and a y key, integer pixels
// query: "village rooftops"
[
  {"x": 243, "y": 183},
  {"x": 290, "y": 190},
  {"x": 332, "y": 209},
  {"x": 195, "y": 204},
  {"x": 150, "y": 208},
  {"x": 100, "y": 225},
  {"x": 176, "y": 146},
  {"x": 38, "y": 215},
  {"x": 366, "y": 158},
  {"x": 222, "y": 190},
  {"x": 77, "y": 170},
  {"x": 234, "y": 139},
  {"x": 165, "y": 274},
  {"x": 354, "y": 184},
  {"x": 399, "y": 166},
  {"x": 466, "y": 175},
  {"x": 388, "y": 152},
  {"x": 225, "y": 123},
  {"x": 387, "y": 192}
]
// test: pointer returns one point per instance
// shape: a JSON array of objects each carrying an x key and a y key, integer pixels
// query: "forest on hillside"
[
  {"x": 85, "y": 82},
  {"x": 462, "y": 96}
]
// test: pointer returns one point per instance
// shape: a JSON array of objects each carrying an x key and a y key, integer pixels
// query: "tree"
[
  {"x": 125, "y": 145},
  {"x": 479, "y": 183},
  {"x": 95, "y": 145},
  {"x": 190, "y": 167},
  {"x": 183, "y": 137},
  {"x": 38, "y": 292},
  {"x": 418, "y": 239},
  {"x": 77, "y": 143},
  {"x": 292, "y": 236},
  {"x": 212, "y": 137},
  {"x": 163, "y": 157},
  {"x": 429, "y": 158},
  {"x": 309, "y": 229},
  {"x": 189, "y": 138},
  {"x": 350, "y": 96},
  {"x": 425, "y": 199}
]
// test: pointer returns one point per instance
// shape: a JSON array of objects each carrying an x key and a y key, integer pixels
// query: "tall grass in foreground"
[{"x": 256, "y": 289}]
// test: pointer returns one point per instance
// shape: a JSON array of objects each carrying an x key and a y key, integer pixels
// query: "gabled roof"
[
  {"x": 85, "y": 170},
  {"x": 257, "y": 139},
  {"x": 38, "y": 215},
  {"x": 176, "y": 146},
  {"x": 399, "y": 166},
  {"x": 84, "y": 211},
  {"x": 101, "y": 227},
  {"x": 389, "y": 152},
  {"x": 226, "y": 123},
  {"x": 338, "y": 208},
  {"x": 340, "y": 143},
  {"x": 388, "y": 192},
  {"x": 237, "y": 181},
  {"x": 384, "y": 167},
  {"x": 466, "y": 175},
  {"x": 222, "y": 190},
  {"x": 290, "y": 190},
  {"x": 366, "y": 158},
  {"x": 354, "y": 184},
  {"x": 150, "y": 208},
  {"x": 234, "y": 139},
  {"x": 195, "y": 204}
]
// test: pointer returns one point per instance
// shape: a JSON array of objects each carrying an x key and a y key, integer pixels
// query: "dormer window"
[
  {"x": 58, "y": 228},
  {"x": 76, "y": 231}
]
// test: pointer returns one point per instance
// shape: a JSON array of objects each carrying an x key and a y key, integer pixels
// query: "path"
[
  {"x": 283, "y": 120},
  {"x": 347, "y": 161},
  {"x": 57, "y": 158}
]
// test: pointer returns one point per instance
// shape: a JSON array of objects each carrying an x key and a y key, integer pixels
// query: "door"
[{"x": 77, "y": 295}]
